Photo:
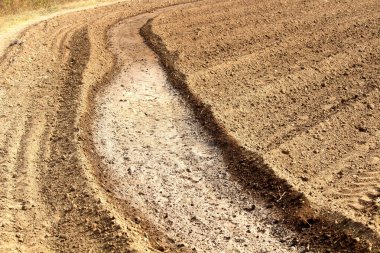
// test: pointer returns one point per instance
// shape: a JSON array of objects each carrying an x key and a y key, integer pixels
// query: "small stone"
[
  {"x": 15, "y": 42},
  {"x": 362, "y": 129},
  {"x": 250, "y": 208},
  {"x": 160, "y": 248},
  {"x": 239, "y": 240},
  {"x": 20, "y": 237},
  {"x": 182, "y": 245},
  {"x": 137, "y": 220},
  {"x": 371, "y": 106},
  {"x": 24, "y": 207}
]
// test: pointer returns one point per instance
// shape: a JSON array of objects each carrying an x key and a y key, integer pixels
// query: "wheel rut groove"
[
  {"x": 103, "y": 151},
  {"x": 163, "y": 163}
]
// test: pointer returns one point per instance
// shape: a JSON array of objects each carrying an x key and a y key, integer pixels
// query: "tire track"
[
  {"x": 50, "y": 195},
  {"x": 27, "y": 191},
  {"x": 9, "y": 204},
  {"x": 54, "y": 161},
  {"x": 160, "y": 162}
]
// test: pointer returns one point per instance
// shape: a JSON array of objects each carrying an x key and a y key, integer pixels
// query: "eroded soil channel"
[{"x": 161, "y": 161}]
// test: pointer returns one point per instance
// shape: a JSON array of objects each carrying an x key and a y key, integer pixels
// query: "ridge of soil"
[{"x": 319, "y": 230}]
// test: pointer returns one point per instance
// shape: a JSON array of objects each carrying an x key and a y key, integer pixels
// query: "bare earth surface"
[
  {"x": 161, "y": 163},
  {"x": 12, "y": 25},
  {"x": 50, "y": 199},
  {"x": 295, "y": 83},
  {"x": 266, "y": 138}
]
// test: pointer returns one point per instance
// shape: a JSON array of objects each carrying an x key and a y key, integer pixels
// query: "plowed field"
[
  {"x": 259, "y": 132},
  {"x": 295, "y": 84}
]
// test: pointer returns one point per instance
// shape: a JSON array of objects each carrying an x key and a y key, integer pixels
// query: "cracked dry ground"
[{"x": 99, "y": 153}]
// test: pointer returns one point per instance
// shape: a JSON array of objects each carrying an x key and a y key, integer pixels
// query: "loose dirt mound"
[{"x": 295, "y": 84}]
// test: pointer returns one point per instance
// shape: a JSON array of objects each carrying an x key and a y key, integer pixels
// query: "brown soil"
[
  {"x": 161, "y": 162},
  {"x": 50, "y": 199},
  {"x": 294, "y": 87},
  {"x": 63, "y": 189}
]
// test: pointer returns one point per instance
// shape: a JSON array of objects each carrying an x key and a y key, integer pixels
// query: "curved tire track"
[
  {"x": 51, "y": 200},
  {"x": 55, "y": 197},
  {"x": 161, "y": 161}
]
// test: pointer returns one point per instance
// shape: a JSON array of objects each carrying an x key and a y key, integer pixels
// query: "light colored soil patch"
[{"x": 161, "y": 162}]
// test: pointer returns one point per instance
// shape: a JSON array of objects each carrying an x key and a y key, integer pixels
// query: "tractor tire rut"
[
  {"x": 163, "y": 163},
  {"x": 105, "y": 146}
]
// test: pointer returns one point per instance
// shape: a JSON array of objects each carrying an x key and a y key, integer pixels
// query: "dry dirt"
[
  {"x": 50, "y": 199},
  {"x": 12, "y": 25},
  {"x": 295, "y": 84},
  {"x": 268, "y": 143},
  {"x": 162, "y": 163}
]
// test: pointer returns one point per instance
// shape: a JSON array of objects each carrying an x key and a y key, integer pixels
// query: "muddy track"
[{"x": 65, "y": 190}]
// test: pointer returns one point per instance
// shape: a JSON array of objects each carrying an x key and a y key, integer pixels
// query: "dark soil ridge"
[
  {"x": 320, "y": 230},
  {"x": 109, "y": 233},
  {"x": 100, "y": 217},
  {"x": 79, "y": 207}
]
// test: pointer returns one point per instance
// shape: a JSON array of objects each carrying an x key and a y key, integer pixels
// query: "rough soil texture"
[
  {"x": 295, "y": 86},
  {"x": 87, "y": 165},
  {"x": 162, "y": 162},
  {"x": 12, "y": 25},
  {"x": 50, "y": 199}
]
